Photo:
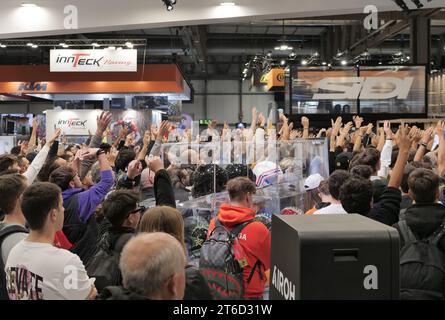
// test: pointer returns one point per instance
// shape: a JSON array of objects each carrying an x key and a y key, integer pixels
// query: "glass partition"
[{"x": 200, "y": 172}]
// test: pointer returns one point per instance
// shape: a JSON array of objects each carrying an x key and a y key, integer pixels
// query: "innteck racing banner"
[
  {"x": 106, "y": 60},
  {"x": 71, "y": 122}
]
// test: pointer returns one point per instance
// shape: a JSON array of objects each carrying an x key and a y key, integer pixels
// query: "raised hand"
[
  {"x": 129, "y": 140},
  {"x": 134, "y": 169},
  {"x": 388, "y": 131},
  {"x": 55, "y": 136},
  {"x": 163, "y": 130},
  {"x": 357, "y": 121},
  {"x": 103, "y": 121},
  {"x": 146, "y": 139},
  {"x": 427, "y": 135},
  {"x": 305, "y": 122},
  {"x": 154, "y": 163},
  {"x": 404, "y": 138},
  {"x": 369, "y": 128}
]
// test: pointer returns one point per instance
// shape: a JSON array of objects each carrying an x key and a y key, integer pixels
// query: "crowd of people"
[{"x": 101, "y": 220}]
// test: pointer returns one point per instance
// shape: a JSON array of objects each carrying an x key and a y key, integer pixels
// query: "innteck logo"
[
  {"x": 370, "y": 88},
  {"x": 283, "y": 285},
  {"x": 77, "y": 60},
  {"x": 82, "y": 59},
  {"x": 73, "y": 123}
]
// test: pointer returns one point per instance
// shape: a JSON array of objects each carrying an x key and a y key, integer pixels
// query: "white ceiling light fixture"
[
  {"x": 30, "y": 44},
  {"x": 323, "y": 63},
  {"x": 34, "y": 46},
  {"x": 111, "y": 48},
  {"x": 29, "y": 5},
  {"x": 95, "y": 44},
  {"x": 2, "y": 46},
  {"x": 129, "y": 45},
  {"x": 344, "y": 62},
  {"x": 119, "y": 48},
  {"x": 227, "y": 4},
  {"x": 303, "y": 62}
]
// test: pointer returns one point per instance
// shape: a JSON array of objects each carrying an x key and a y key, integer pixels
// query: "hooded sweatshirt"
[
  {"x": 88, "y": 200},
  {"x": 424, "y": 220},
  {"x": 254, "y": 239}
]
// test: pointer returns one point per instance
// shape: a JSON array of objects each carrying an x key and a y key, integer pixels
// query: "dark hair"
[
  {"x": 123, "y": 159},
  {"x": 424, "y": 185},
  {"x": 336, "y": 180},
  {"x": 356, "y": 196},
  {"x": 239, "y": 187},
  {"x": 31, "y": 156},
  {"x": 369, "y": 157},
  {"x": 37, "y": 201},
  {"x": 16, "y": 150},
  {"x": 49, "y": 166},
  {"x": 203, "y": 180},
  {"x": 361, "y": 171},
  {"x": 406, "y": 172},
  {"x": 9, "y": 171},
  {"x": 6, "y": 161},
  {"x": 11, "y": 187},
  {"x": 239, "y": 170},
  {"x": 394, "y": 155},
  {"x": 118, "y": 206},
  {"x": 62, "y": 177}
]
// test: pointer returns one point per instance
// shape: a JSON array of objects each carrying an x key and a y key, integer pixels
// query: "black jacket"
[
  {"x": 119, "y": 293},
  {"x": 163, "y": 189},
  {"x": 196, "y": 287},
  {"x": 424, "y": 220},
  {"x": 388, "y": 208}
]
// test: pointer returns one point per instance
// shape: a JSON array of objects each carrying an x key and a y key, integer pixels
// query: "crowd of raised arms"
[{"x": 74, "y": 227}]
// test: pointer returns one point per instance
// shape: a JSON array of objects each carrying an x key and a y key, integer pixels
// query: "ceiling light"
[
  {"x": 29, "y": 44},
  {"x": 119, "y": 48},
  {"x": 380, "y": 62},
  {"x": 303, "y": 62},
  {"x": 34, "y": 46},
  {"x": 169, "y": 4},
  {"x": 129, "y": 45},
  {"x": 95, "y": 44},
  {"x": 62, "y": 44},
  {"x": 269, "y": 54},
  {"x": 228, "y": 4},
  {"x": 283, "y": 62},
  {"x": 329, "y": 65},
  {"x": 2, "y": 46},
  {"x": 323, "y": 63},
  {"x": 111, "y": 48},
  {"x": 65, "y": 46},
  {"x": 29, "y": 5},
  {"x": 344, "y": 62}
]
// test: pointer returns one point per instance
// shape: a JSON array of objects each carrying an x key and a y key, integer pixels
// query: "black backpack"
[
  {"x": 4, "y": 233},
  {"x": 422, "y": 265},
  {"x": 104, "y": 265},
  {"x": 222, "y": 261}
]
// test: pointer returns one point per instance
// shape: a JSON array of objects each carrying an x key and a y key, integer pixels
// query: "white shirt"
[
  {"x": 36, "y": 165},
  {"x": 332, "y": 209},
  {"x": 40, "y": 271}
]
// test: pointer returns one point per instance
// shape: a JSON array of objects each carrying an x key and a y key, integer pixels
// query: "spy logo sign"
[
  {"x": 33, "y": 86},
  {"x": 370, "y": 88}
]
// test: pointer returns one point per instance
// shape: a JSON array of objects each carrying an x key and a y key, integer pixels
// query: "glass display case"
[{"x": 201, "y": 171}]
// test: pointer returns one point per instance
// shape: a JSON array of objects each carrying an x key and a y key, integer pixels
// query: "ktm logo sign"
[
  {"x": 370, "y": 88},
  {"x": 33, "y": 86}
]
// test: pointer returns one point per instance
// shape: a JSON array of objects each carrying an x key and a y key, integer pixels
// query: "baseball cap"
[
  {"x": 342, "y": 161},
  {"x": 313, "y": 181}
]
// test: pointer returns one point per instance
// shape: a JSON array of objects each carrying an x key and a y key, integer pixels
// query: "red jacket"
[{"x": 255, "y": 240}]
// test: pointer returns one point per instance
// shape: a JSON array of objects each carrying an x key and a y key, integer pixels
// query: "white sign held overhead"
[
  {"x": 71, "y": 122},
  {"x": 106, "y": 60}
]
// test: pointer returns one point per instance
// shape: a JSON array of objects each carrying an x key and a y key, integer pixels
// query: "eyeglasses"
[{"x": 140, "y": 209}]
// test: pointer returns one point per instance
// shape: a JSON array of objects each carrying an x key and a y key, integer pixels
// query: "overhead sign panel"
[{"x": 106, "y": 60}]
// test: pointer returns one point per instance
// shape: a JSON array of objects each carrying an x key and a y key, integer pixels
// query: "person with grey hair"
[{"x": 153, "y": 268}]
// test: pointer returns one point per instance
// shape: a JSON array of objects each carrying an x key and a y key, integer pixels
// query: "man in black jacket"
[{"x": 122, "y": 215}]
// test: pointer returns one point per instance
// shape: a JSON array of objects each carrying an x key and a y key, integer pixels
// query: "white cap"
[{"x": 313, "y": 181}]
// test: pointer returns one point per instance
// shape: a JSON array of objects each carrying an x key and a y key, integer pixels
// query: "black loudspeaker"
[
  {"x": 279, "y": 96},
  {"x": 333, "y": 257}
]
